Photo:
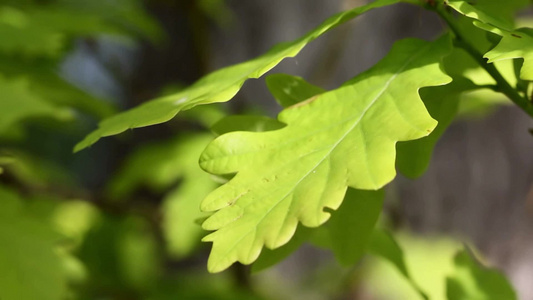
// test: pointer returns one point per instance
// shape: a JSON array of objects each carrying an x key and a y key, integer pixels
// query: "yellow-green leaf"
[{"x": 345, "y": 137}]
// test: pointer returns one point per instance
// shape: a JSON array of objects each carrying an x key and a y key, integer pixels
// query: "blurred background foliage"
[{"x": 121, "y": 219}]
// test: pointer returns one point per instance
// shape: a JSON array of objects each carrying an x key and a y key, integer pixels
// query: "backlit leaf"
[{"x": 345, "y": 137}]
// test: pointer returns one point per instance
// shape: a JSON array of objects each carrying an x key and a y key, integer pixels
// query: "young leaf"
[
  {"x": 219, "y": 86},
  {"x": 289, "y": 90},
  {"x": 471, "y": 280},
  {"x": 514, "y": 43},
  {"x": 345, "y": 137}
]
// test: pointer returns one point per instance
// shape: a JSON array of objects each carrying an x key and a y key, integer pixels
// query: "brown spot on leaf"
[
  {"x": 303, "y": 103},
  {"x": 516, "y": 35}
]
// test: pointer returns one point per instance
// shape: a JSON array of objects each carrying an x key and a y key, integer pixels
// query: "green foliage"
[
  {"x": 315, "y": 175},
  {"x": 219, "y": 86}
]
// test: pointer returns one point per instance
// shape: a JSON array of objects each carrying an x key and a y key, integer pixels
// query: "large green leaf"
[
  {"x": 219, "y": 86},
  {"x": 30, "y": 268},
  {"x": 473, "y": 281},
  {"x": 341, "y": 138}
]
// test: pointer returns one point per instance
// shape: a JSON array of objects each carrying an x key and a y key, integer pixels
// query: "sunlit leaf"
[
  {"x": 219, "y": 86},
  {"x": 341, "y": 138}
]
